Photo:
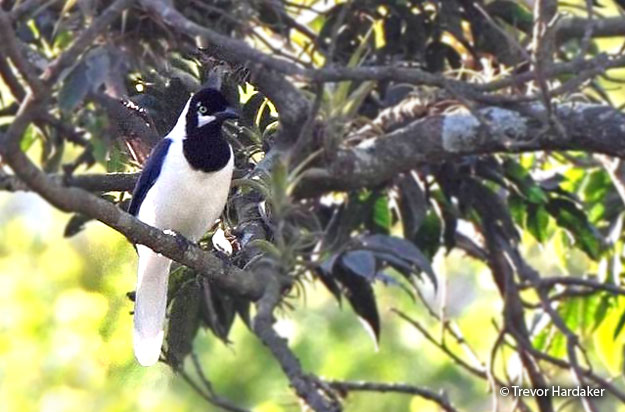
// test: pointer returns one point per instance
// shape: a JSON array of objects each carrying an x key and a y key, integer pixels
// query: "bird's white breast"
[{"x": 185, "y": 200}]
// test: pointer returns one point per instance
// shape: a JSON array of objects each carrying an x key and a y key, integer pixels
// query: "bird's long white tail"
[{"x": 150, "y": 305}]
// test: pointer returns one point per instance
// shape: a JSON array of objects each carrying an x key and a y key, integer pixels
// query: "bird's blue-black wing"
[{"x": 150, "y": 173}]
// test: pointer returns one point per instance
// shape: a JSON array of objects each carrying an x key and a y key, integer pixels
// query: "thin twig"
[{"x": 347, "y": 386}]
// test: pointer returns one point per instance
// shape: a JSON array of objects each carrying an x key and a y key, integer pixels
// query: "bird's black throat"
[{"x": 206, "y": 149}]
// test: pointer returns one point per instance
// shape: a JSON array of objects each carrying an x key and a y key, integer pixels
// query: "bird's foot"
[{"x": 233, "y": 238}]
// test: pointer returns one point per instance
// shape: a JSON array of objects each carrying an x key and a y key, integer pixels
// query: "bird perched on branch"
[{"x": 183, "y": 188}]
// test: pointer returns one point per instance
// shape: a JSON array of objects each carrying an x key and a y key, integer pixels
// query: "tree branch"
[
  {"x": 347, "y": 386},
  {"x": 86, "y": 38},
  {"x": 575, "y": 27},
  {"x": 307, "y": 387},
  {"x": 589, "y": 127},
  {"x": 71, "y": 199},
  {"x": 9, "y": 48}
]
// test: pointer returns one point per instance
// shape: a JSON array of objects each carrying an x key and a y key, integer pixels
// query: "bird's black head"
[
  {"x": 205, "y": 148},
  {"x": 208, "y": 108}
]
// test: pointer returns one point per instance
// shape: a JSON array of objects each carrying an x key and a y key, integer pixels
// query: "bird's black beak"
[{"x": 229, "y": 113}]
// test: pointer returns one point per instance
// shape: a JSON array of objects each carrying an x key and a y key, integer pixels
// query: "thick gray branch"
[
  {"x": 589, "y": 127},
  {"x": 574, "y": 27},
  {"x": 77, "y": 200},
  {"x": 307, "y": 387}
]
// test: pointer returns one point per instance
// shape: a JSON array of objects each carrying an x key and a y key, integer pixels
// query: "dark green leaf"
[
  {"x": 98, "y": 66},
  {"x": 489, "y": 205},
  {"x": 412, "y": 205},
  {"x": 537, "y": 221},
  {"x": 359, "y": 293},
  {"x": 217, "y": 310},
  {"x": 574, "y": 220},
  {"x": 76, "y": 224},
  {"x": 524, "y": 182},
  {"x": 360, "y": 262},
  {"x": 518, "y": 209},
  {"x": 74, "y": 89},
  {"x": 242, "y": 308},
  {"x": 513, "y": 13},
  {"x": 389, "y": 280},
  {"x": 489, "y": 168},
  {"x": 267, "y": 120},
  {"x": 428, "y": 237},
  {"x": 178, "y": 277},
  {"x": 325, "y": 276},
  {"x": 438, "y": 53},
  {"x": 87, "y": 75},
  {"x": 249, "y": 112},
  {"x": 596, "y": 185},
  {"x": 382, "y": 214},
  {"x": 184, "y": 321},
  {"x": 403, "y": 249},
  {"x": 402, "y": 266},
  {"x": 601, "y": 310},
  {"x": 619, "y": 325}
]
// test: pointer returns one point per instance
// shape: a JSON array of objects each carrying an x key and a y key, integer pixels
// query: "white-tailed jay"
[{"x": 183, "y": 188}]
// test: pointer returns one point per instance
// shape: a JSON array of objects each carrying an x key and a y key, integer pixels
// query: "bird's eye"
[{"x": 202, "y": 109}]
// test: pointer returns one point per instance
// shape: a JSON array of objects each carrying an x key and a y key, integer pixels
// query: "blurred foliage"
[
  {"x": 64, "y": 318},
  {"x": 65, "y": 331}
]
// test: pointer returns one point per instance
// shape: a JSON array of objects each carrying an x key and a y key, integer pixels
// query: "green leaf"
[
  {"x": 541, "y": 339},
  {"x": 177, "y": 278},
  {"x": 535, "y": 194},
  {"x": 279, "y": 186},
  {"x": 596, "y": 185},
  {"x": 601, "y": 311},
  {"x": 116, "y": 161},
  {"x": 360, "y": 262},
  {"x": 412, "y": 205},
  {"x": 324, "y": 274},
  {"x": 29, "y": 137},
  {"x": 75, "y": 224},
  {"x": 250, "y": 110},
  {"x": 619, "y": 326},
  {"x": 537, "y": 222},
  {"x": 340, "y": 95},
  {"x": 428, "y": 237},
  {"x": 356, "y": 98},
  {"x": 382, "y": 214},
  {"x": 99, "y": 151},
  {"x": 575, "y": 221},
  {"x": 518, "y": 209},
  {"x": 570, "y": 312},
  {"x": 86, "y": 76},
  {"x": 265, "y": 246},
  {"x": 403, "y": 249},
  {"x": 217, "y": 309},
  {"x": 513, "y": 13},
  {"x": 184, "y": 321},
  {"x": 75, "y": 88},
  {"x": 523, "y": 181},
  {"x": 361, "y": 297}
]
